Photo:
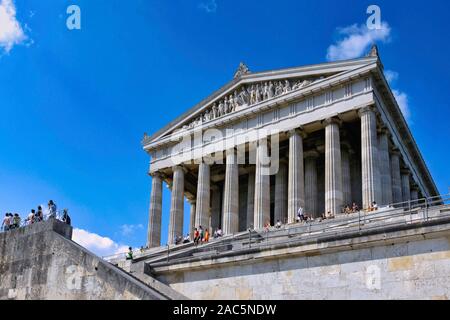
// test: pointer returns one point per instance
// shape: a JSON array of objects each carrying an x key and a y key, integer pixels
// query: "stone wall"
[
  {"x": 41, "y": 262},
  {"x": 414, "y": 265}
]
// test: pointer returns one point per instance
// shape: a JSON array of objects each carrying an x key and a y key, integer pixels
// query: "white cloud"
[
  {"x": 209, "y": 7},
  {"x": 355, "y": 40},
  {"x": 101, "y": 246},
  {"x": 403, "y": 103},
  {"x": 129, "y": 229},
  {"x": 11, "y": 33},
  {"x": 391, "y": 76}
]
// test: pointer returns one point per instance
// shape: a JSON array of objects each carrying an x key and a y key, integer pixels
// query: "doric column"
[
  {"x": 395, "y": 176},
  {"x": 369, "y": 157},
  {"x": 215, "y": 208},
  {"x": 262, "y": 186},
  {"x": 176, "y": 205},
  {"x": 203, "y": 196},
  {"x": 155, "y": 212},
  {"x": 280, "y": 212},
  {"x": 406, "y": 189},
  {"x": 231, "y": 195},
  {"x": 385, "y": 167},
  {"x": 192, "y": 219},
  {"x": 414, "y": 193},
  {"x": 346, "y": 176},
  {"x": 333, "y": 168},
  {"x": 296, "y": 177},
  {"x": 311, "y": 198},
  {"x": 251, "y": 199}
]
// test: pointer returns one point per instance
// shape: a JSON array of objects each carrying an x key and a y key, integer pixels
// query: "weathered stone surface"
[
  {"x": 40, "y": 262},
  {"x": 398, "y": 268}
]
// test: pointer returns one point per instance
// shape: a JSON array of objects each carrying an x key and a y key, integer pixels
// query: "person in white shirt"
[
  {"x": 300, "y": 216},
  {"x": 6, "y": 222},
  {"x": 278, "y": 225},
  {"x": 52, "y": 209}
]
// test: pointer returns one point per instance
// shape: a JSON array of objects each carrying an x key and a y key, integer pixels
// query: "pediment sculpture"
[{"x": 248, "y": 95}]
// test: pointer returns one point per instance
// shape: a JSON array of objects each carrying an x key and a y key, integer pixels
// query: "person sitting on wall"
[
  {"x": 129, "y": 255},
  {"x": 374, "y": 206},
  {"x": 355, "y": 208},
  {"x": 30, "y": 218},
  {"x": 16, "y": 221},
  {"x": 186, "y": 239},
  {"x": 219, "y": 232},
  {"x": 278, "y": 224},
  {"x": 66, "y": 217},
  {"x": 39, "y": 216}
]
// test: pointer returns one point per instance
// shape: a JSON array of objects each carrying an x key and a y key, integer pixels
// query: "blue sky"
[{"x": 74, "y": 104}]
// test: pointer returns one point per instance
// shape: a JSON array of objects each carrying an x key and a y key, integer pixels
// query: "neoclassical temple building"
[{"x": 318, "y": 137}]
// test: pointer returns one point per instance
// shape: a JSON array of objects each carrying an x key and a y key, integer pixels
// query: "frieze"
[{"x": 248, "y": 95}]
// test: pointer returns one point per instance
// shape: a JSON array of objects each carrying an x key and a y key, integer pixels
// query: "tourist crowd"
[
  {"x": 15, "y": 221},
  {"x": 203, "y": 236}
]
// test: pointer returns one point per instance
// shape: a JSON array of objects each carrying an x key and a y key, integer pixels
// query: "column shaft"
[
  {"x": 311, "y": 198},
  {"x": 231, "y": 195},
  {"x": 333, "y": 168},
  {"x": 176, "y": 205},
  {"x": 262, "y": 186},
  {"x": 414, "y": 194},
  {"x": 155, "y": 213},
  {"x": 385, "y": 168},
  {"x": 215, "y": 208},
  {"x": 296, "y": 177},
  {"x": 346, "y": 177},
  {"x": 202, "y": 215},
  {"x": 251, "y": 199},
  {"x": 192, "y": 220},
  {"x": 369, "y": 157},
  {"x": 406, "y": 189},
  {"x": 280, "y": 212},
  {"x": 396, "y": 178}
]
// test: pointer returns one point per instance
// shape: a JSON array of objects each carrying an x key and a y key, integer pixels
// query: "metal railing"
[{"x": 396, "y": 214}]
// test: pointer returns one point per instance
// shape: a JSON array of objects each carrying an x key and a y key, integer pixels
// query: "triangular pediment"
[{"x": 251, "y": 89}]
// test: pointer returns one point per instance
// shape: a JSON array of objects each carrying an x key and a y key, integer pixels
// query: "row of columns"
[{"x": 381, "y": 178}]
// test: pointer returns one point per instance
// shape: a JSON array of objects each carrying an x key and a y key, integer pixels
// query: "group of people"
[
  {"x": 14, "y": 221},
  {"x": 354, "y": 208},
  {"x": 200, "y": 236}
]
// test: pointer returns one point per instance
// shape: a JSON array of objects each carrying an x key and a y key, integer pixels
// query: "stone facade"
[
  {"x": 342, "y": 113},
  {"x": 413, "y": 266}
]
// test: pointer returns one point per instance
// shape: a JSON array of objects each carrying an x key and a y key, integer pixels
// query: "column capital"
[
  {"x": 300, "y": 131},
  {"x": 395, "y": 151},
  {"x": 192, "y": 201},
  {"x": 405, "y": 171},
  {"x": 313, "y": 154},
  {"x": 332, "y": 120},
  {"x": 384, "y": 130},
  {"x": 346, "y": 145},
  {"x": 156, "y": 174},
  {"x": 366, "y": 109},
  {"x": 179, "y": 167}
]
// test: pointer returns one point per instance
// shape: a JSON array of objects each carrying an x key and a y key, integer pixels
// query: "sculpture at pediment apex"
[{"x": 242, "y": 69}]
